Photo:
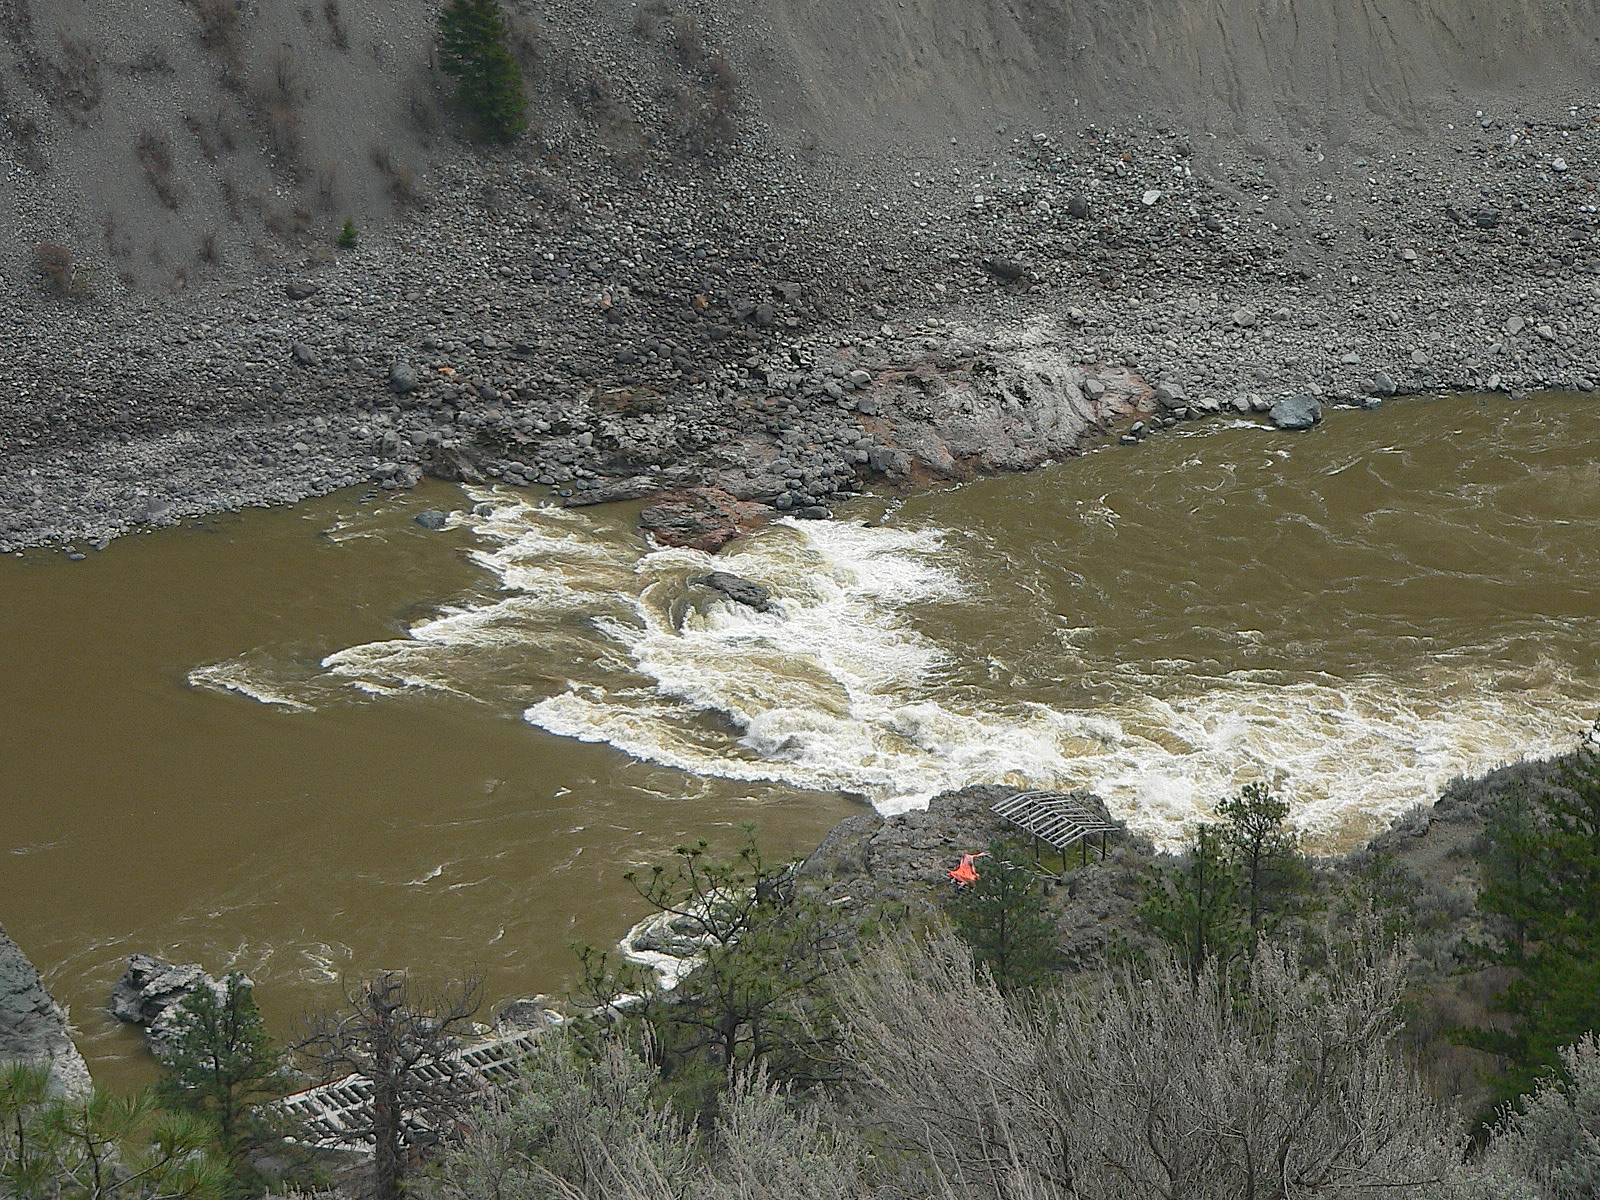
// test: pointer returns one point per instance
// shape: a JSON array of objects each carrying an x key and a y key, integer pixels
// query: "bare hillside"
[
  {"x": 169, "y": 140},
  {"x": 921, "y": 67},
  {"x": 731, "y": 219}
]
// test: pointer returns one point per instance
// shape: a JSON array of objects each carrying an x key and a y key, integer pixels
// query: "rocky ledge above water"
[
  {"x": 33, "y": 1027},
  {"x": 150, "y": 993},
  {"x": 869, "y": 861}
]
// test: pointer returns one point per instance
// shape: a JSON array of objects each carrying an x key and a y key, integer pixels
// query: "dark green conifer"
[
  {"x": 223, "y": 1067},
  {"x": 1004, "y": 919},
  {"x": 474, "y": 50},
  {"x": 1542, "y": 877},
  {"x": 1514, "y": 875},
  {"x": 1270, "y": 869},
  {"x": 1195, "y": 909}
]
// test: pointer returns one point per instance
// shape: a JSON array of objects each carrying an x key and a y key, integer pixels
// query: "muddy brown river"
[{"x": 324, "y": 740}]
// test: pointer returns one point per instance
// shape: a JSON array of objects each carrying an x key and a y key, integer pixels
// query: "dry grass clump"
[
  {"x": 59, "y": 271},
  {"x": 289, "y": 224},
  {"x": 703, "y": 118},
  {"x": 216, "y": 136},
  {"x": 423, "y": 108},
  {"x": 229, "y": 187},
  {"x": 402, "y": 180},
  {"x": 151, "y": 61},
  {"x": 23, "y": 132},
  {"x": 74, "y": 85},
  {"x": 155, "y": 156},
  {"x": 701, "y": 113},
  {"x": 277, "y": 110},
  {"x": 336, "y": 27},
  {"x": 650, "y": 17},
  {"x": 328, "y": 186},
  {"x": 222, "y": 33}
]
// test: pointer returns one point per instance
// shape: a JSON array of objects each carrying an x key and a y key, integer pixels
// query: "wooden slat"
[
  {"x": 330, "y": 1112},
  {"x": 1056, "y": 818}
]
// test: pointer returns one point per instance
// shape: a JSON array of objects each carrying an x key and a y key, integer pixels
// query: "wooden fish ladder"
[
  {"x": 329, "y": 1116},
  {"x": 1058, "y": 819}
]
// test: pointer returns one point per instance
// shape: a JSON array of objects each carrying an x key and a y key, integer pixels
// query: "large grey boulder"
[
  {"x": 738, "y": 589},
  {"x": 150, "y": 992},
  {"x": 33, "y": 1027},
  {"x": 1008, "y": 269},
  {"x": 402, "y": 377},
  {"x": 1296, "y": 412},
  {"x": 701, "y": 518}
]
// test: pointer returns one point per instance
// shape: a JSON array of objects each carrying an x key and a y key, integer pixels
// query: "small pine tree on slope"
[
  {"x": 223, "y": 1068},
  {"x": 1004, "y": 919}
]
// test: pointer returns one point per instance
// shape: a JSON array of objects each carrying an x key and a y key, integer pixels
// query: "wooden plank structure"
[
  {"x": 329, "y": 1116},
  {"x": 1057, "y": 819}
]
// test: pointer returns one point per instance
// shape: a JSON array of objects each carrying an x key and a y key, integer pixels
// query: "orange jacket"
[{"x": 965, "y": 872}]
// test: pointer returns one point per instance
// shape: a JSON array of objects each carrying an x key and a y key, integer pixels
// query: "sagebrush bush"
[
  {"x": 579, "y": 1127},
  {"x": 1550, "y": 1148},
  {"x": 1152, "y": 1084},
  {"x": 1280, "y": 1079}
]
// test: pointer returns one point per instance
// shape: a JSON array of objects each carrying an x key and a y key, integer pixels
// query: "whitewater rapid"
[{"x": 842, "y": 688}]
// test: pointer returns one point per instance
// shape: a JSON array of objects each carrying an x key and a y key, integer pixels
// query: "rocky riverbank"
[
  {"x": 819, "y": 329},
  {"x": 33, "y": 1027},
  {"x": 1422, "y": 864},
  {"x": 870, "y": 864}
]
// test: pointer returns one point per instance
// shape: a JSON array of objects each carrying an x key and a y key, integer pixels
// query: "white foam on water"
[
  {"x": 245, "y": 677},
  {"x": 547, "y": 563},
  {"x": 325, "y": 961},
  {"x": 1347, "y": 754},
  {"x": 841, "y": 689},
  {"x": 841, "y": 692},
  {"x": 670, "y": 969},
  {"x": 825, "y": 694}
]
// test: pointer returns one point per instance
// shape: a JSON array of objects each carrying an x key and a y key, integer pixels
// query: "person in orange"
[{"x": 964, "y": 872}]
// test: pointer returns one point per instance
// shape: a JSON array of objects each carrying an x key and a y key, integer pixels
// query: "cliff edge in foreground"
[{"x": 33, "y": 1027}]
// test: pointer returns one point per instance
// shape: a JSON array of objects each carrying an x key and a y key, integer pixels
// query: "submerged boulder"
[
  {"x": 527, "y": 1013},
  {"x": 673, "y": 934},
  {"x": 1296, "y": 412}
]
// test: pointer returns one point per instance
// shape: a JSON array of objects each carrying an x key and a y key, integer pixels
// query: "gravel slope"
[{"x": 925, "y": 214}]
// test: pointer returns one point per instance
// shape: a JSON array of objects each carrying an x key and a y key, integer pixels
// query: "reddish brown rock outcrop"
[{"x": 701, "y": 518}]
